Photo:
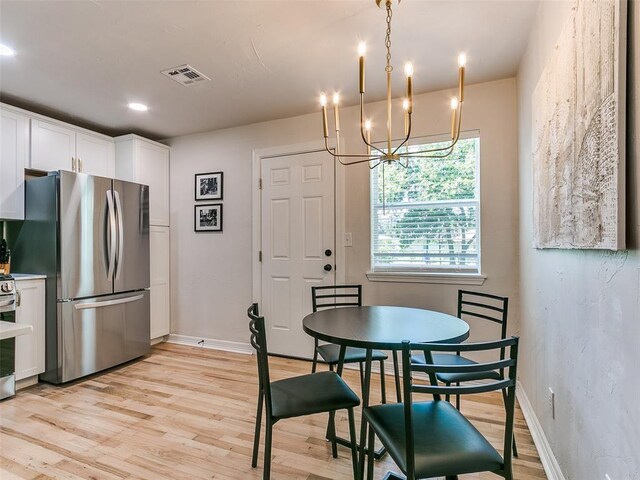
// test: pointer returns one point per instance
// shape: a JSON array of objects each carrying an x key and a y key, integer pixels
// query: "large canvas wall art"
[{"x": 579, "y": 132}]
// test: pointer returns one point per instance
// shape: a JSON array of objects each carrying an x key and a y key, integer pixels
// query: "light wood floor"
[{"x": 188, "y": 413}]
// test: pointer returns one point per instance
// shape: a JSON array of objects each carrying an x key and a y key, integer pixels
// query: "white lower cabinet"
[
  {"x": 160, "y": 291},
  {"x": 29, "y": 356}
]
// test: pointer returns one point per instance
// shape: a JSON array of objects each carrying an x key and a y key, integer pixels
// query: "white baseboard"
[
  {"x": 224, "y": 345},
  {"x": 548, "y": 459}
]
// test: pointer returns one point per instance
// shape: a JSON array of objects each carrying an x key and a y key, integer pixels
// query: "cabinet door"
[
  {"x": 152, "y": 168},
  {"x": 30, "y": 311},
  {"x": 96, "y": 156},
  {"x": 160, "y": 304},
  {"x": 14, "y": 145},
  {"x": 53, "y": 147}
]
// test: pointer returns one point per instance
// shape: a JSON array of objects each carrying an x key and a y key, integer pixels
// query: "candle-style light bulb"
[
  {"x": 336, "y": 114},
  {"x": 462, "y": 61},
  {"x": 408, "y": 71},
  {"x": 367, "y": 128},
  {"x": 323, "y": 105},
  {"x": 454, "y": 113},
  {"x": 362, "y": 50}
]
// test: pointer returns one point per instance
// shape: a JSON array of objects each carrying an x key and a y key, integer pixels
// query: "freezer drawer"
[{"x": 99, "y": 333}]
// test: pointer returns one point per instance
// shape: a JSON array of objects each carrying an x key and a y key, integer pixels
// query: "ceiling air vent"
[{"x": 186, "y": 75}]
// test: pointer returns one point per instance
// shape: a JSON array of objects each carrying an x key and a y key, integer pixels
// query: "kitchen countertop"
[
  {"x": 28, "y": 276},
  {"x": 10, "y": 330}
]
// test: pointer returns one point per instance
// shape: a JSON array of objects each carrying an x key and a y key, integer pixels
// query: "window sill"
[{"x": 419, "y": 277}]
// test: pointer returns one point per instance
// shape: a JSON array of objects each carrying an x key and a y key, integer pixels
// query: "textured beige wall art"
[{"x": 579, "y": 132}]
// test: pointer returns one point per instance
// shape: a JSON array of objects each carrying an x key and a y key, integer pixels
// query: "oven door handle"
[{"x": 6, "y": 303}]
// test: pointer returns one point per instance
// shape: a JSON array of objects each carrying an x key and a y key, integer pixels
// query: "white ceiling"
[{"x": 267, "y": 59}]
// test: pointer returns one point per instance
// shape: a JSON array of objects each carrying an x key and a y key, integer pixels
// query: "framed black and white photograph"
[
  {"x": 209, "y": 186},
  {"x": 208, "y": 218}
]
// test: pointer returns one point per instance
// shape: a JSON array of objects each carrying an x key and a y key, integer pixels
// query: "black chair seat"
[
  {"x": 331, "y": 352},
  {"x": 448, "y": 359},
  {"x": 309, "y": 394},
  {"x": 445, "y": 441}
]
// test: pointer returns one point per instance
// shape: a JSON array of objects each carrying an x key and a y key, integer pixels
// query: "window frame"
[{"x": 430, "y": 274}]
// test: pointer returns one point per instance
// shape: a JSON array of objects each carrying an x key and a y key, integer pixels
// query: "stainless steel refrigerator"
[{"x": 90, "y": 236}]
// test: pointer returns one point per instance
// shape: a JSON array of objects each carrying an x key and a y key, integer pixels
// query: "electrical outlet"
[
  {"x": 348, "y": 240},
  {"x": 552, "y": 403}
]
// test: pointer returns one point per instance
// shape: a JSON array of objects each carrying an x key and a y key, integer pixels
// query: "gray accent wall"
[{"x": 580, "y": 310}]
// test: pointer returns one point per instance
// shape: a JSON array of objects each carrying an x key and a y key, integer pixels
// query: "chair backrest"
[
  {"x": 508, "y": 382},
  {"x": 259, "y": 343},
  {"x": 486, "y": 306},
  {"x": 332, "y": 296}
]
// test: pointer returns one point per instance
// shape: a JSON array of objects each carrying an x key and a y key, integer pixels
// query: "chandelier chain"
[{"x": 387, "y": 41}]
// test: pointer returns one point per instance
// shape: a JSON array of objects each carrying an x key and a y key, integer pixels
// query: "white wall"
[
  {"x": 580, "y": 320},
  {"x": 211, "y": 273}
]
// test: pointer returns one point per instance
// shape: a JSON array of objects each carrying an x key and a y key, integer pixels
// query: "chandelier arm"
[
  {"x": 407, "y": 137},
  {"x": 440, "y": 149},
  {"x": 337, "y": 155},
  {"x": 364, "y": 138}
]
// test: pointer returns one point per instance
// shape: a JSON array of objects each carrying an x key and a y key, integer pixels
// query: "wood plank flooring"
[{"x": 188, "y": 413}]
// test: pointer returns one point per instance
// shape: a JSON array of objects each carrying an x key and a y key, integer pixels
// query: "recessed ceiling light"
[
  {"x": 138, "y": 107},
  {"x": 6, "y": 51}
]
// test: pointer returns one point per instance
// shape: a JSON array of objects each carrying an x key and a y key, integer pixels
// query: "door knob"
[
  {"x": 328, "y": 252},
  {"x": 327, "y": 267}
]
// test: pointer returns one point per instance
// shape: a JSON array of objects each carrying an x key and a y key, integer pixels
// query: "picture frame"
[
  {"x": 209, "y": 186},
  {"x": 207, "y": 217}
]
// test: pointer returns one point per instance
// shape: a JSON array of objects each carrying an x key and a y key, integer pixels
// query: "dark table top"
[{"x": 384, "y": 327}]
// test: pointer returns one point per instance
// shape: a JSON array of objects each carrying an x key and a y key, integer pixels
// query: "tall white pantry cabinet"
[{"x": 143, "y": 161}]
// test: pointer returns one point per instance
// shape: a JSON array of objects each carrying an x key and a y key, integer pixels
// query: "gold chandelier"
[{"x": 375, "y": 156}]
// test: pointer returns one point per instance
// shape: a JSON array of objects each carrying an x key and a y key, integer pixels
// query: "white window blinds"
[{"x": 429, "y": 219}]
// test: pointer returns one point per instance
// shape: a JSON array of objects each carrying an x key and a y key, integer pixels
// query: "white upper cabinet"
[
  {"x": 14, "y": 149},
  {"x": 56, "y": 146},
  {"x": 53, "y": 146},
  {"x": 95, "y": 156},
  {"x": 143, "y": 161}
]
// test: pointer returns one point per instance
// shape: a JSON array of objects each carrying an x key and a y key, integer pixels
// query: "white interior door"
[{"x": 298, "y": 227}]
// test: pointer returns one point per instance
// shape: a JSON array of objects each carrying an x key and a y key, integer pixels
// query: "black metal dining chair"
[
  {"x": 334, "y": 296},
  {"x": 323, "y": 392},
  {"x": 485, "y": 306},
  {"x": 433, "y": 438}
]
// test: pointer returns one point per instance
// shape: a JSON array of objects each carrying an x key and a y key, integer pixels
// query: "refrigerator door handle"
[
  {"x": 120, "y": 234},
  {"x": 107, "y": 303},
  {"x": 112, "y": 236}
]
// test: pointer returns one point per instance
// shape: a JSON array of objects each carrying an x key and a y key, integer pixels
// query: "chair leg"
[
  {"x": 458, "y": 398},
  {"x": 315, "y": 360},
  {"x": 354, "y": 443},
  {"x": 256, "y": 436},
  {"x": 361, "y": 375},
  {"x": 515, "y": 447},
  {"x": 396, "y": 373},
  {"x": 331, "y": 367},
  {"x": 332, "y": 434},
  {"x": 447, "y": 397},
  {"x": 370, "y": 453},
  {"x": 383, "y": 388},
  {"x": 266, "y": 475}
]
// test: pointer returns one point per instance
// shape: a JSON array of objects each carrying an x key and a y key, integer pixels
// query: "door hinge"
[
  {"x": 260, "y": 256},
  {"x": 259, "y": 184}
]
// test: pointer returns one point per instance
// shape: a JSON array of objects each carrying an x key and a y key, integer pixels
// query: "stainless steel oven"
[{"x": 7, "y": 345}]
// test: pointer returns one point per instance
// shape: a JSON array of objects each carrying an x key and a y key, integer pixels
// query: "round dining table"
[{"x": 380, "y": 328}]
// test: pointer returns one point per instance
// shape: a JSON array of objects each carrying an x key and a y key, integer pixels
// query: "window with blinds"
[{"x": 426, "y": 217}]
